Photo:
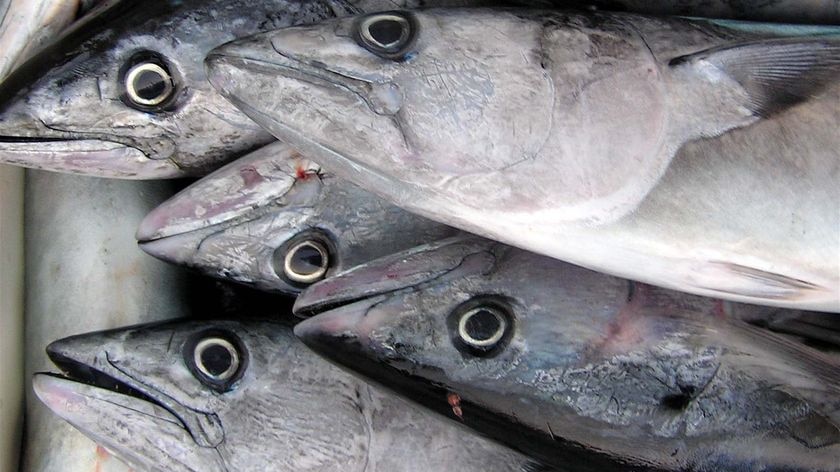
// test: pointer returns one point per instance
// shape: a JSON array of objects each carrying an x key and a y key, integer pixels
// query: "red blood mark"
[{"x": 454, "y": 401}]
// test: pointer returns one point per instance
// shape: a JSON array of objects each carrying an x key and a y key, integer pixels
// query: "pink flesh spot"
[{"x": 250, "y": 176}]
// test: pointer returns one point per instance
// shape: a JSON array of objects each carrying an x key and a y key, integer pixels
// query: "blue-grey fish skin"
[
  {"x": 242, "y": 222},
  {"x": 697, "y": 155},
  {"x": 140, "y": 392},
  {"x": 591, "y": 372}
]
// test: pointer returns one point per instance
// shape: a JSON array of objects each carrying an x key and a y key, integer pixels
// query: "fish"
[
  {"x": 123, "y": 92},
  {"x": 696, "y": 155},
  {"x": 577, "y": 369},
  {"x": 26, "y": 25},
  {"x": 83, "y": 272},
  {"x": 243, "y": 395},
  {"x": 277, "y": 222}
]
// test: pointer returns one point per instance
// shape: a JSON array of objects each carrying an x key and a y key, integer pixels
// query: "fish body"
[
  {"x": 25, "y": 25},
  {"x": 698, "y": 155},
  {"x": 255, "y": 219},
  {"x": 145, "y": 393},
  {"x": 580, "y": 370},
  {"x": 123, "y": 93}
]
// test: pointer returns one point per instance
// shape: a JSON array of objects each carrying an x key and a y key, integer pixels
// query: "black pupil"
[
  {"x": 306, "y": 261},
  {"x": 386, "y": 32},
  {"x": 149, "y": 85},
  {"x": 216, "y": 359},
  {"x": 482, "y": 325}
]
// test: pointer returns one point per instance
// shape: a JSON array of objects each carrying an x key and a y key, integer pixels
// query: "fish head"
[
  {"x": 124, "y": 94},
  {"x": 459, "y": 318},
  {"x": 249, "y": 222},
  {"x": 406, "y": 96},
  {"x": 195, "y": 395},
  {"x": 275, "y": 221}
]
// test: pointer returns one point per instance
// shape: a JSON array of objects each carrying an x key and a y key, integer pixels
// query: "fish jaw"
[
  {"x": 155, "y": 439},
  {"x": 89, "y": 358},
  {"x": 86, "y": 157}
]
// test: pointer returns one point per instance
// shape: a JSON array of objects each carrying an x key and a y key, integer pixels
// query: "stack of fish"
[{"x": 601, "y": 240}]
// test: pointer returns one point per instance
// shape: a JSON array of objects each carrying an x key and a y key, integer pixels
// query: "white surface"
[
  {"x": 84, "y": 272},
  {"x": 11, "y": 315}
]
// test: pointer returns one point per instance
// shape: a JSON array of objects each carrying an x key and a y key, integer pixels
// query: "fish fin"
[
  {"x": 815, "y": 431},
  {"x": 751, "y": 282},
  {"x": 803, "y": 372},
  {"x": 532, "y": 466},
  {"x": 818, "y": 329},
  {"x": 776, "y": 74}
]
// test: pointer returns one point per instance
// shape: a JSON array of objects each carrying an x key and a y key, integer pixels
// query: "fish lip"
[
  {"x": 85, "y": 156},
  {"x": 463, "y": 255}
]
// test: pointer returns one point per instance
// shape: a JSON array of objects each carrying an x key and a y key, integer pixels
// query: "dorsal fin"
[{"x": 776, "y": 73}]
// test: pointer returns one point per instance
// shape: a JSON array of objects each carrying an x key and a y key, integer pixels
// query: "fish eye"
[
  {"x": 389, "y": 35},
  {"x": 147, "y": 82},
  {"x": 305, "y": 259},
  {"x": 217, "y": 359},
  {"x": 306, "y": 262},
  {"x": 482, "y": 326}
]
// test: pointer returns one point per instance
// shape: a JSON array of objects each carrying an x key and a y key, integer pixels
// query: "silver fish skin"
[
  {"x": 73, "y": 107},
  {"x": 145, "y": 395},
  {"x": 697, "y": 155},
  {"x": 25, "y": 25},
  {"x": 253, "y": 220},
  {"x": 580, "y": 370}
]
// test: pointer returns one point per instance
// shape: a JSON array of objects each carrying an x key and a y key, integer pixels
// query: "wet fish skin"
[
  {"x": 67, "y": 109},
  {"x": 240, "y": 222},
  {"x": 25, "y": 25},
  {"x": 483, "y": 124},
  {"x": 290, "y": 410},
  {"x": 593, "y": 371}
]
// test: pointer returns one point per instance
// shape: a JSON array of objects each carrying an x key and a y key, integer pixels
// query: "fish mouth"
[
  {"x": 85, "y": 157},
  {"x": 93, "y": 385},
  {"x": 434, "y": 263}
]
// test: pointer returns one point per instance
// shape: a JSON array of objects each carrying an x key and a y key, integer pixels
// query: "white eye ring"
[
  {"x": 295, "y": 276},
  {"x": 482, "y": 343},
  {"x": 136, "y": 72},
  {"x": 203, "y": 345},
  {"x": 368, "y": 37}
]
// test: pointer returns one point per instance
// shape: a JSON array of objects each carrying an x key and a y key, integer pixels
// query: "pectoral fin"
[{"x": 775, "y": 74}]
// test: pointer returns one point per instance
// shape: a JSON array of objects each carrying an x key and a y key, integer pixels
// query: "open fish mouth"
[
  {"x": 80, "y": 386},
  {"x": 95, "y": 391},
  {"x": 85, "y": 156}
]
